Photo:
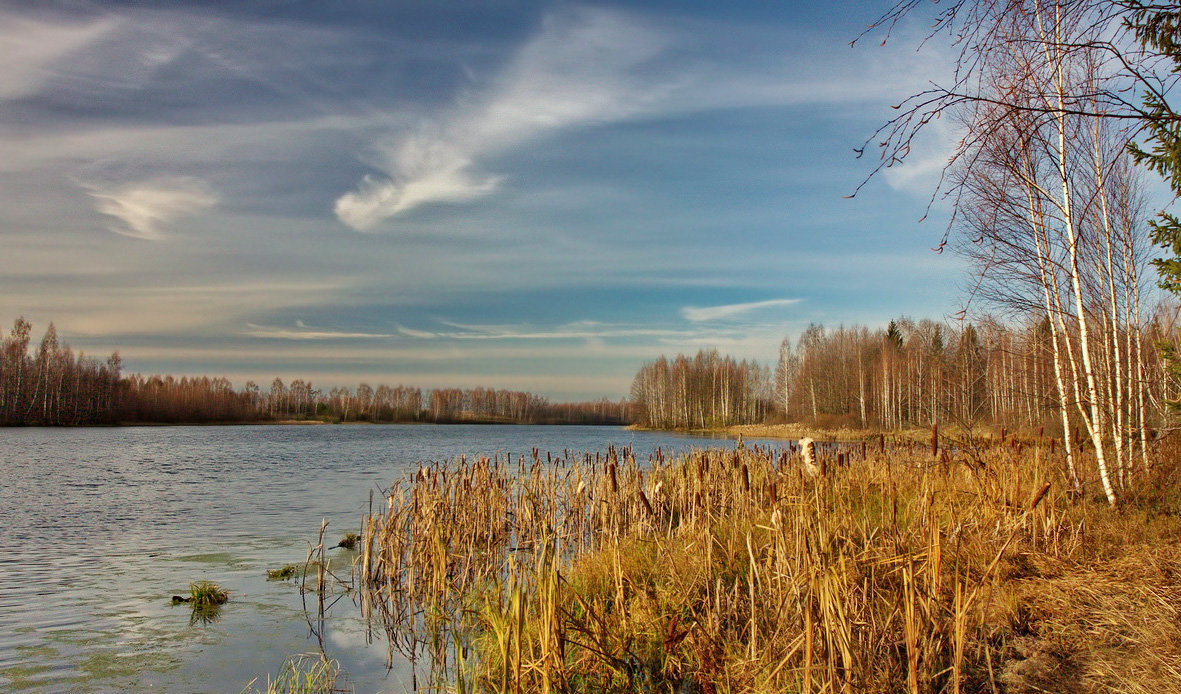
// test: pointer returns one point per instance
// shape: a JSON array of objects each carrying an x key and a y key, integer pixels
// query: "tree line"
[
  {"x": 51, "y": 385},
  {"x": 700, "y": 392},
  {"x": 912, "y": 373}
]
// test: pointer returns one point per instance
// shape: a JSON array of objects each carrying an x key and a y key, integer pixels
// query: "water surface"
[{"x": 100, "y": 526}]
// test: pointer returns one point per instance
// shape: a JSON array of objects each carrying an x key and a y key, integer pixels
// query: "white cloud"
[
  {"x": 920, "y": 173},
  {"x": 160, "y": 303},
  {"x": 589, "y": 67},
  {"x": 145, "y": 208},
  {"x": 29, "y": 49},
  {"x": 578, "y": 330},
  {"x": 581, "y": 69},
  {"x": 378, "y": 199},
  {"x": 707, "y": 313},
  {"x": 303, "y": 332},
  {"x": 421, "y": 334}
]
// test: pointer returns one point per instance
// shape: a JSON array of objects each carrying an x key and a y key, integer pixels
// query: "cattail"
[
  {"x": 1038, "y": 496},
  {"x": 647, "y": 506}
]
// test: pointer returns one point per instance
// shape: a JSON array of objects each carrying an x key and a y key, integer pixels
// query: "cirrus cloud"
[
  {"x": 145, "y": 208},
  {"x": 706, "y": 313},
  {"x": 582, "y": 68}
]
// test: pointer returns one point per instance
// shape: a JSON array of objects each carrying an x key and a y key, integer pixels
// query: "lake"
[{"x": 99, "y": 527}]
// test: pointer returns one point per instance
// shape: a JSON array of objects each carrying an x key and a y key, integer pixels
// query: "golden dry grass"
[{"x": 731, "y": 570}]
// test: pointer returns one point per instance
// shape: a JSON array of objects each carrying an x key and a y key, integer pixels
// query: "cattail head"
[{"x": 1038, "y": 496}]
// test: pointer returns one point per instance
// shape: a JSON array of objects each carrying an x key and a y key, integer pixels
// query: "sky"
[{"x": 526, "y": 195}]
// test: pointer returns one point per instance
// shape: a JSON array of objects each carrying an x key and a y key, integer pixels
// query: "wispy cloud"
[
  {"x": 303, "y": 332},
  {"x": 421, "y": 334},
  {"x": 593, "y": 66},
  {"x": 579, "y": 330},
  {"x": 708, "y": 313},
  {"x": 30, "y": 49},
  {"x": 161, "y": 303},
  {"x": 920, "y": 173},
  {"x": 582, "y": 68},
  {"x": 145, "y": 208}
]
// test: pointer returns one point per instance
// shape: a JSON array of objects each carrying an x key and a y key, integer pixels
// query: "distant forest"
[
  {"x": 907, "y": 374},
  {"x": 910, "y": 374},
  {"x": 52, "y": 385}
]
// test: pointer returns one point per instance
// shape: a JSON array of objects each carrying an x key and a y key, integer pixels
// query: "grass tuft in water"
[
  {"x": 207, "y": 593},
  {"x": 206, "y": 599},
  {"x": 203, "y": 594},
  {"x": 288, "y": 571},
  {"x": 307, "y": 673},
  {"x": 349, "y": 541}
]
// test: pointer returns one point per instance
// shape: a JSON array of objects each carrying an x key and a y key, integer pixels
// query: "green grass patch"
[
  {"x": 207, "y": 593},
  {"x": 282, "y": 574},
  {"x": 308, "y": 673}
]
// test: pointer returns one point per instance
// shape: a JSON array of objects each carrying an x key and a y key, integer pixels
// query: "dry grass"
[
  {"x": 796, "y": 431},
  {"x": 731, "y": 570},
  {"x": 896, "y": 437},
  {"x": 1114, "y": 626}
]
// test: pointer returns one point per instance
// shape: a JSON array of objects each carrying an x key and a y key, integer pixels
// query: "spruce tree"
[{"x": 1158, "y": 28}]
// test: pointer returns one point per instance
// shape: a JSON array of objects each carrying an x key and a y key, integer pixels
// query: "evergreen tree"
[{"x": 1158, "y": 28}]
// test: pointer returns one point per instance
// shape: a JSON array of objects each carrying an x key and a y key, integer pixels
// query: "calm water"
[{"x": 99, "y": 527}]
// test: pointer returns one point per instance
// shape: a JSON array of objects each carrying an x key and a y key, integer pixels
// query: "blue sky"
[{"x": 524, "y": 195}]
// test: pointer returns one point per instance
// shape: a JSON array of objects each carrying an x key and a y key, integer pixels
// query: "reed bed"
[{"x": 910, "y": 569}]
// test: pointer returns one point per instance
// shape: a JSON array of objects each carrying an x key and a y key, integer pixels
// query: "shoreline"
[
  {"x": 795, "y": 431},
  {"x": 298, "y": 422},
  {"x": 792, "y": 432}
]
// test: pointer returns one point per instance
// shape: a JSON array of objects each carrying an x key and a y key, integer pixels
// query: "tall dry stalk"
[{"x": 719, "y": 568}]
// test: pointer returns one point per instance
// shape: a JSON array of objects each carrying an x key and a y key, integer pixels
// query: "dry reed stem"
[{"x": 720, "y": 569}]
